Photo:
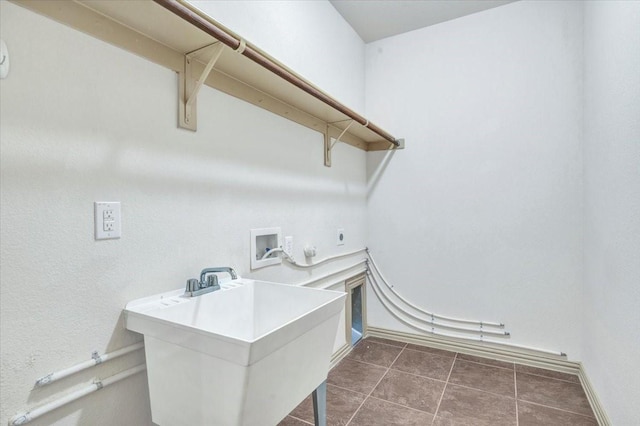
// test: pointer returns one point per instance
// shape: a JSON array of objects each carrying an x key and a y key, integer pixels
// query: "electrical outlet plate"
[
  {"x": 107, "y": 220},
  {"x": 340, "y": 237},
  {"x": 288, "y": 245}
]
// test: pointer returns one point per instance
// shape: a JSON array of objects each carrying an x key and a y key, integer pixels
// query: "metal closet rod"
[{"x": 191, "y": 16}]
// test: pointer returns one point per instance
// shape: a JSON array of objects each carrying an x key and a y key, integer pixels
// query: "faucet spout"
[{"x": 226, "y": 269}]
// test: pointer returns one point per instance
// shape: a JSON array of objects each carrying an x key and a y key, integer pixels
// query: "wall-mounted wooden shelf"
[{"x": 174, "y": 34}]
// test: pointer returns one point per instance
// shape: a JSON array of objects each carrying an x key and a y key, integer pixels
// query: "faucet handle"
[
  {"x": 212, "y": 281},
  {"x": 193, "y": 285}
]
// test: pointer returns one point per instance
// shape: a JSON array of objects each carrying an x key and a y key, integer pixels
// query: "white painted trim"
[
  {"x": 594, "y": 401},
  {"x": 501, "y": 353},
  {"x": 340, "y": 354},
  {"x": 483, "y": 349},
  {"x": 343, "y": 274}
]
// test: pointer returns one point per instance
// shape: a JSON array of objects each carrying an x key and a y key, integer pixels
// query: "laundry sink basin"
[{"x": 243, "y": 355}]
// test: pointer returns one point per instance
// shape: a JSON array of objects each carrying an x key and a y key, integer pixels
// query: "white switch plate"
[
  {"x": 107, "y": 220},
  {"x": 340, "y": 237}
]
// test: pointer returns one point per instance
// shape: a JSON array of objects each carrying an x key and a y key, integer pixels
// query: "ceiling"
[{"x": 377, "y": 19}]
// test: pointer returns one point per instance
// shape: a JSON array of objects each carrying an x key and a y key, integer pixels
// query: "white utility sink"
[{"x": 243, "y": 355}]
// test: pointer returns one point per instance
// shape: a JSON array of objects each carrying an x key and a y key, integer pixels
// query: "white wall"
[
  {"x": 612, "y": 206},
  {"x": 481, "y": 216},
  {"x": 83, "y": 121},
  {"x": 487, "y": 198},
  {"x": 519, "y": 193},
  {"x": 310, "y": 37}
]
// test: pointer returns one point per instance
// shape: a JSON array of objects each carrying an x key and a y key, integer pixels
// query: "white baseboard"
[
  {"x": 485, "y": 350},
  {"x": 501, "y": 353},
  {"x": 598, "y": 409},
  {"x": 339, "y": 355}
]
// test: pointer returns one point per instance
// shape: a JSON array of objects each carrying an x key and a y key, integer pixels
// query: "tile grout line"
[
  {"x": 456, "y": 357},
  {"x": 388, "y": 344},
  {"x": 548, "y": 406},
  {"x": 444, "y": 389},
  {"x": 481, "y": 390},
  {"x": 346, "y": 389},
  {"x": 445, "y": 381},
  {"x": 399, "y": 405},
  {"x": 419, "y": 375},
  {"x": 363, "y": 362},
  {"x": 488, "y": 365},
  {"x": 374, "y": 388},
  {"x": 592, "y": 416},
  {"x": 559, "y": 409},
  {"x": 513, "y": 364},
  {"x": 297, "y": 418},
  {"x": 551, "y": 378},
  {"x": 434, "y": 353}
]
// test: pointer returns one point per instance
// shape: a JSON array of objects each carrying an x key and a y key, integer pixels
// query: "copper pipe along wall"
[{"x": 198, "y": 21}]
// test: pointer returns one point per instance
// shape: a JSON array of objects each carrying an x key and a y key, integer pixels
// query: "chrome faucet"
[
  {"x": 208, "y": 281},
  {"x": 226, "y": 269}
]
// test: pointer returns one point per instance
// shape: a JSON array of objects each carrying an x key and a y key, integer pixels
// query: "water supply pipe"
[
  {"x": 433, "y": 323},
  {"x": 292, "y": 261},
  {"x": 431, "y": 314},
  {"x": 452, "y": 336},
  {"x": 34, "y": 413},
  {"x": 95, "y": 360}
]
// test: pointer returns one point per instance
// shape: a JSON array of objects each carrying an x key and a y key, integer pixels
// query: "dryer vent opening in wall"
[
  {"x": 356, "y": 324},
  {"x": 356, "y": 314}
]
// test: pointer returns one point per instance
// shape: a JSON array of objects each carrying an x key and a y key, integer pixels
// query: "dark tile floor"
[{"x": 382, "y": 382}]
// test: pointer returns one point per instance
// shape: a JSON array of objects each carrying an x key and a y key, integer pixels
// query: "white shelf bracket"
[
  {"x": 328, "y": 146},
  {"x": 189, "y": 86}
]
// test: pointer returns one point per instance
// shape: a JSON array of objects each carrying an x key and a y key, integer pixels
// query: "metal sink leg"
[{"x": 319, "y": 397}]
